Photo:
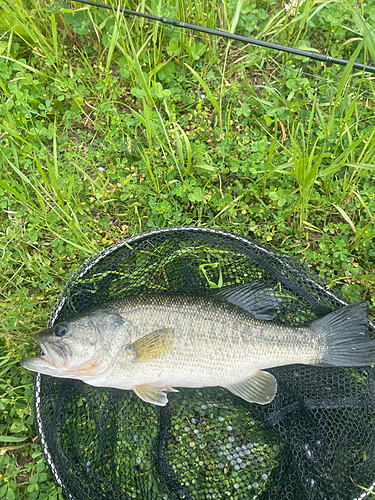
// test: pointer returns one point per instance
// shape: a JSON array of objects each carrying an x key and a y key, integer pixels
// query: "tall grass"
[{"x": 140, "y": 58}]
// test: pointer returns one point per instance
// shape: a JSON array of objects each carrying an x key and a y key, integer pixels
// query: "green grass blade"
[
  {"x": 188, "y": 150},
  {"x": 13, "y": 439},
  {"x": 55, "y": 187},
  {"x": 24, "y": 65},
  {"x": 19, "y": 194},
  {"x": 209, "y": 94},
  {"x": 134, "y": 61},
  {"x": 366, "y": 30},
  {"x": 114, "y": 40},
  {"x": 343, "y": 81},
  {"x": 55, "y": 159},
  {"x": 236, "y": 16},
  {"x": 54, "y": 38},
  {"x": 364, "y": 166},
  {"x": 147, "y": 162},
  {"x": 345, "y": 216},
  {"x": 88, "y": 249}
]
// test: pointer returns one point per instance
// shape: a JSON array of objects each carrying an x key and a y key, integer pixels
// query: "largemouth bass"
[{"x": 153, "y": 343}]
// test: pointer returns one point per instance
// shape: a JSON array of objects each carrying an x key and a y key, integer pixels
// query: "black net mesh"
[{"x": 316, "y": 440}]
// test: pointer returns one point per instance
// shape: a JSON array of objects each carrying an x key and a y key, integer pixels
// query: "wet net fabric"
[{"x": 316, "y": 440}]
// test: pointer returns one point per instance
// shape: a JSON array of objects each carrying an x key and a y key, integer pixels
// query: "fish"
[{"x": 153, "y": 343}]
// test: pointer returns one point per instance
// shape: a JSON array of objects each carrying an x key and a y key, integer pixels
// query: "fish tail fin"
[{"x": 343, "y": 332}]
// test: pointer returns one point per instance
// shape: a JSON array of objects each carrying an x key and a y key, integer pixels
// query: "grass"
[{"x": 111, "y": 126}]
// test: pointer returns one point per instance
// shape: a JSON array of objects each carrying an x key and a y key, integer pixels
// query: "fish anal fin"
[
  {"x": 153, "y": 344},
  {"x": 152, "y": 393},
  {"x": 260, "y": 388}
]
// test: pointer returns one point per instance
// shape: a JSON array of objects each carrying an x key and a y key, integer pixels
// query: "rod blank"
[{"x": 328, "y": 60}]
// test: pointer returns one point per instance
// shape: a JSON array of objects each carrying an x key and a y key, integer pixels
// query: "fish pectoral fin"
[
  {"x": 152, "y": 393},
  {"x": 260, "y": 388},
  {"x": 153, "y": 344},
  {"x": 255, "y": 298}
]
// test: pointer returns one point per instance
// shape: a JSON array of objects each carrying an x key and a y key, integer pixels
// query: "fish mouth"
[
  {"x": 51, "y": 361},
  {"x": 53, "y": 352}
]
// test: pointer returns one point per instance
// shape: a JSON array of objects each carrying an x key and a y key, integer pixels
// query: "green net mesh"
[{"x": 316, "y": 440}]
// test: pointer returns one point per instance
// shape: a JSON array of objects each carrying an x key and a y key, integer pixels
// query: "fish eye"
[{"x": 60, "y": 330}]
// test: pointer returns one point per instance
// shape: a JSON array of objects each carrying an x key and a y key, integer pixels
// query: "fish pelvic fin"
[
  {"x": 260, "y": 388},
  {"x": 255, "y": 298},
  {"x": 168, "y": 388},
  {"x": 153, "y": 344},
  {"x": 153, "y": 393},
  {"x": 343, "y": 334}
]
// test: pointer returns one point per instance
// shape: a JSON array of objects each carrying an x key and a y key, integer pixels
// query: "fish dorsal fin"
[
  {"x": 255, "y": 298},
  {"x": 153, "y": 344},
  {"x": 152, "y": 393},
  {"x": 260, "y": 388}
]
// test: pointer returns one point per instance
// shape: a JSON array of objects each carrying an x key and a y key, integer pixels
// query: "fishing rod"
[{"x": 328, "y": 60}]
